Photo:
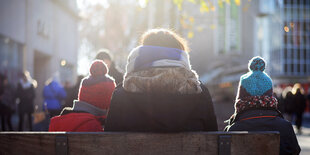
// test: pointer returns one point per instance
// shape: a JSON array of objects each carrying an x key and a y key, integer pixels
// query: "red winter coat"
[{"x": 76, "y": 122}]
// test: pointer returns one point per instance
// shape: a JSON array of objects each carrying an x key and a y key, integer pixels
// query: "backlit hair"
[
  {"x": 164, "y": 38},
  {"x": 296, "y": 87}
]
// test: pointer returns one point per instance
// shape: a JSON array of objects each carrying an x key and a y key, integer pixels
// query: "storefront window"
[
  {"x": 11, "y": 59},
  {"x": 229, "y": 28}
]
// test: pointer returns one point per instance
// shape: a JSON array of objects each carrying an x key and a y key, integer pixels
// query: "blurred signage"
[
  {"x": 225, "y": 85},
  {"x": 43, "y": 29}
]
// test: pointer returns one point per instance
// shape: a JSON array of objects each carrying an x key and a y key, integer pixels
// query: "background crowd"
[{"x": 19, "y": 100}]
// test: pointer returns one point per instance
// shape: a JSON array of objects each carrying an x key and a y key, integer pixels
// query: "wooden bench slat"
[{"x": 139, "y": 143}]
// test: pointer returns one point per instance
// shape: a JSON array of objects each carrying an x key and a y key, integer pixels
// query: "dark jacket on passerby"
[
  {"x": 267, "y": 120},
  {"x": 1, "y": 84},
  {"x": 300, "y": 106},
  {"x": 26, "y": 94},
  {"x": 7, "y": 105},
  {"x": 113, "y": 72},
  {"x": 300, "y": 102},
  {"x": 82, "y": 117},
  {"x": 72, "y": 92},
  {"x": 281, "y": 104},
  {"x": 8, "y": 98},
  {"x": 1, "y": 93},
  {"x": 289, "y": 103},
  {"x": 118, "y": 76},
  {"x": 70, "y": 97},
  {"x": 160, "y": 112}
]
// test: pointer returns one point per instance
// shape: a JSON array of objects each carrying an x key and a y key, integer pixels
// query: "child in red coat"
[{"x": 89, "y": 111}]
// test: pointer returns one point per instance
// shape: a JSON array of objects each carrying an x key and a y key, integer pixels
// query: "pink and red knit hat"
[{"x": 97, "y": 88}]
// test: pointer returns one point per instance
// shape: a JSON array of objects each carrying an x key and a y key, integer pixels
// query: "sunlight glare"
[
  {"x": 142, "y": 3},
  {"x": 286, "y": 29},
  {"x": 84, "y": 4}
]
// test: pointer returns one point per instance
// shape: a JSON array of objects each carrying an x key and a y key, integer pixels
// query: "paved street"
[
  {"x": 304, "y": 138},
  {"x": 304, "y": 141}
]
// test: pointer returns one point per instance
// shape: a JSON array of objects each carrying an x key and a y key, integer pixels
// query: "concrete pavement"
[{"x": 304, "y": 137}]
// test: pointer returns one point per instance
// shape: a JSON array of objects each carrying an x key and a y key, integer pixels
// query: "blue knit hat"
[{"x": 256, "y": 82}]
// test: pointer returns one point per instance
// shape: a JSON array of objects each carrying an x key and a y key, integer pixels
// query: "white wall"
[
  {"x": 12, "y": 19},
  {"x": 40, "y": 29},
  {"x": 66, "y": 34},
  {"x": 52, "y": 31}
]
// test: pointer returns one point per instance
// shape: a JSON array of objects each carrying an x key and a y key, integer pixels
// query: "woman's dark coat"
[{"x": 160, "y": 112}]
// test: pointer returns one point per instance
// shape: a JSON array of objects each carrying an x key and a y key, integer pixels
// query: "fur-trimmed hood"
[
  {"x": 175, "y": 80},
  {"x": 155, "y": 69}
]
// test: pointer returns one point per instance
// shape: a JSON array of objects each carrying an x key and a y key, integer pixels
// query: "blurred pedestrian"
[
  {"x": 1, "y": 84},
  {"x": 53, "y": 94},
  {"x": 89, "y": 111},
  {"x": 256, "y": 108},
  {"x": 2, "y": 110},
  {"x": 289, "y": 104},
  {"x": 25, "y": 94},
  {"x": 308, "y": 96},
  {"x": 160, "y": 92},
  {"x": 72, "y": 92},
  {"x": 300, "y": 104},
  {"x": 7, "y": 104},
  {"x": 105, "y": 56},
  {"x": 277, "y": 93}
]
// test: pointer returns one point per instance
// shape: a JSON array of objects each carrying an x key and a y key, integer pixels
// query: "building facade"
[
  {"x": 229, "y": 34},
  {"x": 39, "y": 36},
  {"x": 293, "y": 56}
]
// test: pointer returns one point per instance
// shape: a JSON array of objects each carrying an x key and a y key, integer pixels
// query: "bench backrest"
[{"x": 235, "y": 143}]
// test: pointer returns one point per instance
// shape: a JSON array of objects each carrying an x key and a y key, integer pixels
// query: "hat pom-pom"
[
  {"x": 257, "y": 64},
  {"x": 98, "y": 68}
]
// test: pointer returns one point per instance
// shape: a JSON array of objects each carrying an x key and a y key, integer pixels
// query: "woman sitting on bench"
[{"x": 160, "y": 91}]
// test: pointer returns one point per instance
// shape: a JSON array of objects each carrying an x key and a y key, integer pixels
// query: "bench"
[{"x": 88, "y": 143}]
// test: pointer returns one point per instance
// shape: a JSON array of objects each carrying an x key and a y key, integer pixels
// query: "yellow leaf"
[
  {"x": 200, "y": 29},
  {"x": 179, "y": 6},
  {"x": 238, "y": 2},
  {"x": 178, "y": 3},
  {"x": 184, "y": 25},
  {"x": 203, "y": 6},
  {"x": 212, "y": 8},
  {"x": 192, "y": 1},
  {"x": 212, "y": 26},
  {"x": 192, "y": 19},
  {"x": 190, "y": 34},
  {"x": 220, "y": 2},
  {"x": 228, "y": 2}
]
